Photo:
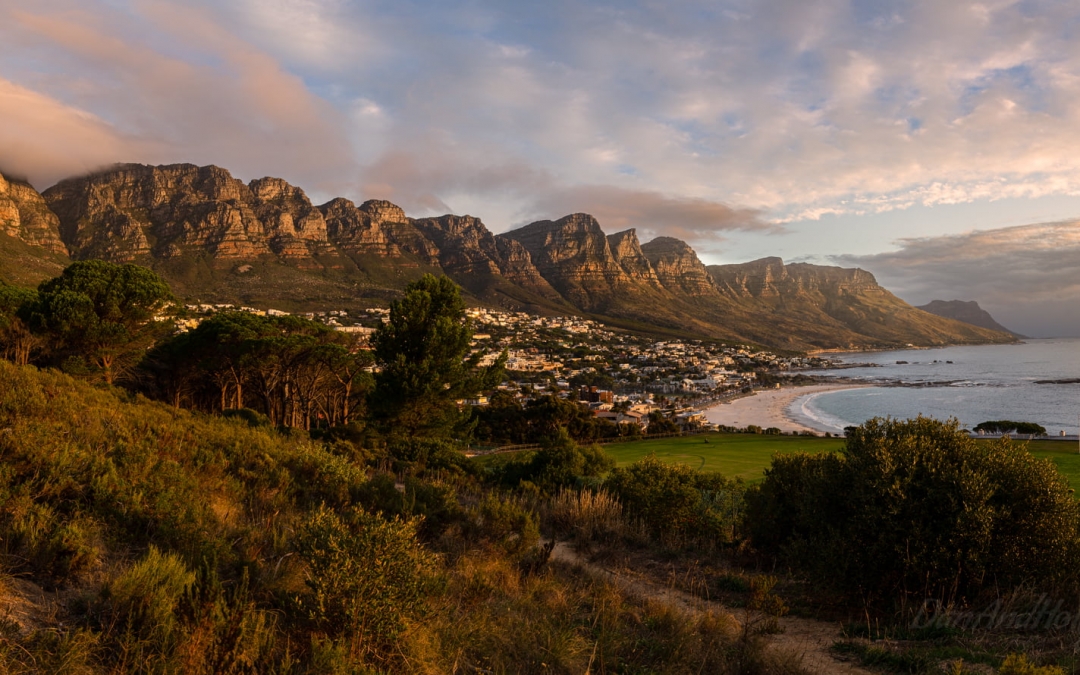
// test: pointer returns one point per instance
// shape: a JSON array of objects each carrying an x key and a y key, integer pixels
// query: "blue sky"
[{"x": 861, "y": 133}]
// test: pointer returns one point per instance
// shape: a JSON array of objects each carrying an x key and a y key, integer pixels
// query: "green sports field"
[{"x": 746, "y": 456}]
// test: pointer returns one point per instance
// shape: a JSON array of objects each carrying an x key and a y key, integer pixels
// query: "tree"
[
  {"x": 659, "y": 424},
  {"x": 16, "y": 340},
  {"x": 561, "y": 461},
  {"x": 917, "y": 509},
  {"x": 297, "y": 372},
  {"x": 424, "y": 371},
  {"x": 1008, "y": 426},
  {"x": 102, "y": 313}
]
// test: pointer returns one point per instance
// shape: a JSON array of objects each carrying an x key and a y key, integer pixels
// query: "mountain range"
[{"x": 263, "y": 243}]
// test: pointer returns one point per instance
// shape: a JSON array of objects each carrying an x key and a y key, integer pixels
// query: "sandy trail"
[{"x": 807, "y": 638}]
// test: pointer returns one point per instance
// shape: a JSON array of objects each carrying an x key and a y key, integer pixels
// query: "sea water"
[{"x": 971, "y": 384}]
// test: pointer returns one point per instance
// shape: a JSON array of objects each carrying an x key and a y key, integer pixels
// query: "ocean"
[{"x": 972, "y": 384}]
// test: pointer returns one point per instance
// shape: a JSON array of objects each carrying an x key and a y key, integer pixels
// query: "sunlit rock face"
[{"x": 25, "y": 216}]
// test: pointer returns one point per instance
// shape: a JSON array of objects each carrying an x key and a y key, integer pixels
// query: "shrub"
[
  {"x": 504, "y": 523},
  {"x": 365, "y": 576},
  {"x": 917, "y": 508},
  {"x": 143, "y": 598},
  {"x": 1018, "y": 664},
  {"x": 434, "y": 502},
  {"x": 677, "y": 503},
  {"x": 561, "y": 461},
  {"x": 587, "y": 515}
]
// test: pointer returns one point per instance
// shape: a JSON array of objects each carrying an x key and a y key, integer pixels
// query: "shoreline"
[
  {"x": 769, "y": 408},
  {"x": 878, "y": 350}
]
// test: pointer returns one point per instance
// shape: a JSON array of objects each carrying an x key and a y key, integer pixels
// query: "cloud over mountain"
[
  {"x": 1028, "y": 277},
  {"x": 716, "y": 115}
]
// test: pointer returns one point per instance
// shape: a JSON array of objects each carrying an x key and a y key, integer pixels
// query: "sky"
[{"x": 935, "y": 144}]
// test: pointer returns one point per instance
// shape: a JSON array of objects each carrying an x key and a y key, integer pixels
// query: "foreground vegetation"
[
  {"x": 146, "y": 539},
  {"x": 279, "y": 510}
]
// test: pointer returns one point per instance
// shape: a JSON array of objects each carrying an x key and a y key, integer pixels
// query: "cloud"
[
  {"x": 44, "y": 140},
  {"x": 1028, "y": 276},
  {"x": 793, "y": 109},
  {"x": 166, "y": 85},
  {"x": 426, "y": 183}
]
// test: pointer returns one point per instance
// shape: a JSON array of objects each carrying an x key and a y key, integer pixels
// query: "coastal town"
[{"x": 620, "y": 376}]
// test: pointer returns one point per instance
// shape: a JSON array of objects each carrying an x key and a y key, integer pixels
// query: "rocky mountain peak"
[
  {"x": 573, "y": 254},
  {"x": 678, "y": 267},
  {"x": 382, "y": 211},
  {"x": 626, "y": 249},
  {"x": 271, "y": 189}
]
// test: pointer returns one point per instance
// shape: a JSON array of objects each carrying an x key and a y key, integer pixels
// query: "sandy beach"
[{"x": 768, "y": 408}]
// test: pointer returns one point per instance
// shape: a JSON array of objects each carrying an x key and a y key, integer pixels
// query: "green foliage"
[
  {"x": 503, "y": 523},
  {"x": 295, "y": 372},
  {"x": 252, "y": 556},
  {"x": 227, "y": 632},
  {"x": 424, "y": 370},
  {"x": 415, "y": 454},
  {"x": 17, "y": 342},
  {"x": 659, "y": 424},
  {"x": 561, "y": 461},
  {"x": 917, "y": 508},
  {"x": 101, "y": 312},
  {"x": 365, "y": 576},
  {"x": 434, "y": 503},
  {"x": 1009, "y": 427},
  {"x": 504, "y": 420},
  {"x": 143, "y": 599},
  {"x": 676, "y": 503}
]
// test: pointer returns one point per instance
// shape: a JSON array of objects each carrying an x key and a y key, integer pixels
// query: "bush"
[
  {"x": 504, "y": 523},
  {"x": 917, "y": 508},
  {"x": 366, "y": 576},
  {"x": 587, "y": 515},
  {"x": 676, "y": 503},
  {"x": 143, "y": 598},
  {"x": 1008, "y": 427},
  {"x": 561, "y": 462}
]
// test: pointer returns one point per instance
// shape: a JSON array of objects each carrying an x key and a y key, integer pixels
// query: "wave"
[{"x": 804, "y": 411}]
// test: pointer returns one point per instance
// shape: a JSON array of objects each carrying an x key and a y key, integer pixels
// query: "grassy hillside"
[
  {"x": 25, "y": 265},
  {"x": 136, "y": 538}
]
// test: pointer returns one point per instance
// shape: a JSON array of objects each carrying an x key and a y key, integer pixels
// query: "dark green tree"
[
  {"x": 659, "y": 424},
  {"x": 561, "y": 461},
  {"x": 917, "y": 509},
  {"x": 424, "y": 368},
  {"x": 102, "y": 314},
  {"x": 16, "y": 340}
]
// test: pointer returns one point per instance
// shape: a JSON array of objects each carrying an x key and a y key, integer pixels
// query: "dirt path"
[{"x": 808, "y": 638}]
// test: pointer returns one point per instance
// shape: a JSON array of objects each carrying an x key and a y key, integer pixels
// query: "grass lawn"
[
  {"x": 1064, "y": 455},
  {"x": 734, "y": 455},
  {"x": 746, "y": 456}
]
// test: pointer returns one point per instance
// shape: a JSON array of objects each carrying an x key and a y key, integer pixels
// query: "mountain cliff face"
[
  {"x": 626, "y": 249},
  {"x": 25, "y": 216},
  {"x": 218, "y": 239},
  {"x": 829, "y": 307},
  {"x": 967, "y": 312},
  {"x": 678, "y": 268},
  {"x": 574, "y": 256},
  {"x": 30, "y": 246}
]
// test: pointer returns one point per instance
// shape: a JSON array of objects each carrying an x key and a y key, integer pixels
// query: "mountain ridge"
[
  {"x": 215, "y": 238},
  {"x": 967, "y": 312}
]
